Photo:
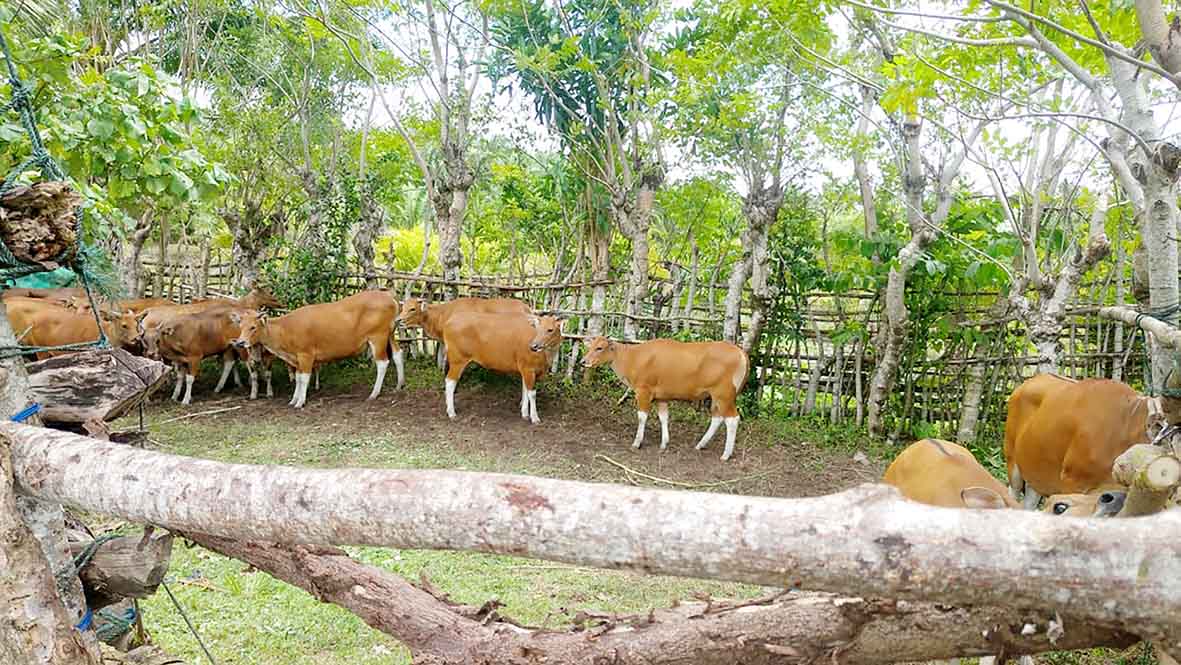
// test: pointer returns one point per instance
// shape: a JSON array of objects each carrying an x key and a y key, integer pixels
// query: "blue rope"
[
  {"x": 27, "y": 413},
  {"x": 87, "y": 620}
]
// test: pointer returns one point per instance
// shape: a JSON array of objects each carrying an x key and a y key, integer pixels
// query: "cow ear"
[
  {"x": 981, "y": 497},
  {"x": 236, "y": 318}
]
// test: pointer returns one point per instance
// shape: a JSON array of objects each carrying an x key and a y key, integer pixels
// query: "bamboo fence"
[{"x": 811, "y": 369}]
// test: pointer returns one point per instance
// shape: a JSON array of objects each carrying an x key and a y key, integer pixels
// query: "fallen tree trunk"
[
  {"x": 864, "y": 541},
  {"x": 96, "y": 385},
  {"x": 783, "y": 628}
]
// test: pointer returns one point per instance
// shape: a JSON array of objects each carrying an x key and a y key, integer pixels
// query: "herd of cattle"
[
  {"x": 1061, "y": 435},
  {"x": 500, "y": 334}
]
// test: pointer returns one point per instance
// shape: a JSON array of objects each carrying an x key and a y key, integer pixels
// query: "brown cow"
[
  {"x": 663, "y": 370},
  {"x": 326, "y": 332},
  {"x": 1062, "y": 436},
  {"x": 432, "y": 318},
  {"x": 60, "y": 296},
  {"x": 505, "y": 343},
  {"x": 258, "y": 298},
  {"x": 39, "y": 322},
  {"x": 187, "y": 339}
]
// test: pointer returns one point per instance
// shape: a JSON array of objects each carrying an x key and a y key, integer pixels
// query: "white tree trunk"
[{"x": 864, "y": 541}]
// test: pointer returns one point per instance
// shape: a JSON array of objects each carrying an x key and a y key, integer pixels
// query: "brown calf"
[
  {"x": 942, "y": 473},
  {"x": 1062, "y": 436},
  {"x": 664, "y": 370},
  {"x": 506, "y": 343},
  {"x": 40, "y": 322},
  {"x": 187, "y": 339},
  {"x": 326, "y": 332}
]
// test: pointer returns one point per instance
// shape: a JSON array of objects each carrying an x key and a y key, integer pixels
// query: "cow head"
[
  {"x": 599, "y": 350},
  {"x": 413, "y": 312},
  {"x": 259, "y": 298},
  {"x": 120, "y": 327},
  {"x": 547, "y": 332},
  {"x": 1106, "y": 504},
  {"x": 151, "y": 339},
  {"x": 251, "y": 324}
]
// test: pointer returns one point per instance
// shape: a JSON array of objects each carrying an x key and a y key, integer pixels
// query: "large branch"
[
  {"x": 864, "y": 541},
  {"x": 1164, "y": 334},
  {"x": 776, "y": 629},
  {"x": 1162, "y": 36}
]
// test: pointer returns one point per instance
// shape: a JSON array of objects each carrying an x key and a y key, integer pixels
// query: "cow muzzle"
[
  {"x": 1110, "y": 504},
  {"x": 536, "y": 348},
  {"x": 240, "y": 344}
]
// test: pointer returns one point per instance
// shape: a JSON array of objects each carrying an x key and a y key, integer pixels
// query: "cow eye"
[{"x": 1060, "y": 508}]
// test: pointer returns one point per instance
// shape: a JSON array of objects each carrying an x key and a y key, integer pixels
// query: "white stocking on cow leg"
[
  {"x": 270, "y": 374},
  {"x": 662, "y": 411},
  {"x": 382, "y": 366},
  {"x": 188, "y": 389},
  {"x": 524, "y": 400},
  {"x": 642, "y": 417},
  {"x": 227, "y": 365},
  {"x": 180, "y": 379},
  {"x": 533, "y": 407},
  {"x": 449, "y": 390},
  {"x": 714, "y": 423},
  {"x": 731, "y": 434},
  {"x": 301, "y": 388},
  {"x": 400, "y": 365},
  {"x": 253, "y": 380}
]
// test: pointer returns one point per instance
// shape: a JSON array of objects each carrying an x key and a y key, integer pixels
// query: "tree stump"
[
  {"x": 97, "y": 385},
  {"x": 37, "y": 223}
]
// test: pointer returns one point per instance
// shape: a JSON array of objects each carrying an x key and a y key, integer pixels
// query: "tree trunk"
[
  {"x": 93, "y": 385},
  {"x": 761, "y": 209},
  {"x": 1159, "y": 179},
  {"x": 861, "y": 171},
  {"x": 365, "y": 235},
  {"x": 774, "y": 629},
  {"x": 600, "y": 249},
  {"x": 1163, "y": 37},
  {"x": 866, "y": 541},
  {"x": 691, "y": 298},
  {"x": 733, "y": 303},
  {"x": 36, "y": 571},
  {"x": 634, "y": 220},
  {"x": 130, "y": 270}
]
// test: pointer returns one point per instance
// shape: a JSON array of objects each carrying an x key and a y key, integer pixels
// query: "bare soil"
[{"x": 582, "y": 432}]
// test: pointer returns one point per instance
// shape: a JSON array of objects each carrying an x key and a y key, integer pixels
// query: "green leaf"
[
  {"x": 100, "y": 128},
  {"x": 10, "y": 132}
]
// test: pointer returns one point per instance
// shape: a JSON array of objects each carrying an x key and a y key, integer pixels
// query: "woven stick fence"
[{"x": 812, "y": 367}]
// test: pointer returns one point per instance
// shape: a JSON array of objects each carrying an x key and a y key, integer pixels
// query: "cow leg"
[
  {"x": 227, "y": 365},
  {"x": 194, "y": 367},
  {"x": 237, "y": 379},
  {"x": 302, "y": 379},
  {"x": 643, "y": 403},
  {"x": 529, "y": 382},
  {"x": 440, "y": 354},
  {"x": 270, "y": 373},
  {"x": 180, "y": 378},
  {"x": 382, "y": 366},
  {"x": 731, "y": 435},
  {"x": 455, "y": 367},
  {"x": 293, "y": 376},
  {"x": 317, "y": 373},
  {"x": 662, "y": 411},
  {"x": 400, "y": 365},
  {"x": 524, "y": 399},
  {"x": 714, "y": 423},
  {"x": 1031, "y": 498}
]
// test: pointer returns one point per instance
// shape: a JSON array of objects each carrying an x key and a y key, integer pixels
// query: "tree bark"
[
  {"x": 39, "y": 223},
  {"x": 866, "y": 541},
  {"x": 129, "y": 260},
  {"x": 94, "y": 385},
  {"x": 1162, "y": 36},
  {"x": 633, "y": 216},
  {"x": 36, "y": 573},
  {"x": 777, "y": 629}
]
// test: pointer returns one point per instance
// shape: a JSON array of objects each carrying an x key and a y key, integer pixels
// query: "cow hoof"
[
  {"x": 452, "y": 416},
  {"x": 725, "y": 458},
  {"x": 701, "y": 446},
  {"x": 535, "y": 421},
  {"x": 636, "y": 445}
]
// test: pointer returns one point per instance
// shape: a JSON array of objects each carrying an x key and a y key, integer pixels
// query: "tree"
[{"x": 588, "y": 67}]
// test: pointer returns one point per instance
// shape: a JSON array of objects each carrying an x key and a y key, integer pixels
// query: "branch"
[
  {"x": 1110, "y": 50},
  {"x": 776, "y": 629},
  {"x": 864, "y": 541},
  {"x": 998, "y": 41}
]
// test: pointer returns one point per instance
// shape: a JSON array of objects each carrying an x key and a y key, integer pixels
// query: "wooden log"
[
  {"x": 37, "y": 223},
  {"x": 866, "y": 541},
  {"x": 1151, "y": 475},
  {"x": 126, "y": 567},
  {"x": 145, "y": 655},
  {"x": 781, "y": 628},
  {"x": 93, "y": 385}
]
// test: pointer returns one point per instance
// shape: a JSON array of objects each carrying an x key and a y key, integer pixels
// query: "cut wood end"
[{"x": 1163, "y": 473}]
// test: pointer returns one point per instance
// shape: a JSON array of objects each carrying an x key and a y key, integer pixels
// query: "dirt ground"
[{"x": 583, "y": 431}]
